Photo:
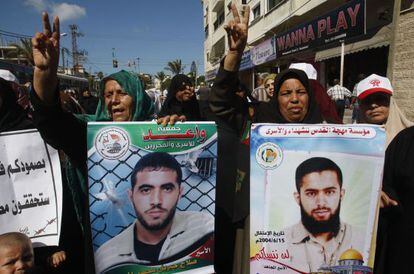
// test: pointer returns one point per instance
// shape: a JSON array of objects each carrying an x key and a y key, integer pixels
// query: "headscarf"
[
  {"x": 12, "y": 115},
  {"x": 130, "y": 83},
  {"x": 396, "y": 121},
  {"x": 172, "y": 106},
  {"x": 270, "y": 113}
]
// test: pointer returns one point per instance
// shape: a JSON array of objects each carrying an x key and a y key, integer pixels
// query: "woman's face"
[
  {"x": 185, "y": 93},
  {"x": 375, "y": 108},
  {"x": 270, "y": 88},
  {"x": 119, "y": 103},
  {"x": 293, "y": 100}
]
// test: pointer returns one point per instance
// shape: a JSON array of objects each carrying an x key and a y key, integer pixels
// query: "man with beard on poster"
[
  {"x": 321, "y": 237},
  {"x": 160, "y": 234}
]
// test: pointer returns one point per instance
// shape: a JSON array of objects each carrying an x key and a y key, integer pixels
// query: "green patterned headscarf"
[{"x": 143, "y": 106}]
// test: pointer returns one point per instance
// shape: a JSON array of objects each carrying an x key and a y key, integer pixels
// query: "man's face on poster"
[
  {"x": 155, "y": 197},
  {"x": 319, "y": 197}
]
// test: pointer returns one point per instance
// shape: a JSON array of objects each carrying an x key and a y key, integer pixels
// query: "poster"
[
  {"x": 31, "y": 187},
  {"x": 314, "y": 197},
  {"x": 152, "y": 196}
]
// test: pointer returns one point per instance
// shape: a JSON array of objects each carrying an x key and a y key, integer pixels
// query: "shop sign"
[
  {"x": 340, "y": 24},
  {"x": 264, "y": 52},
  {"x": 211, "y": 74},
  {"x": 246, "y": 61}
]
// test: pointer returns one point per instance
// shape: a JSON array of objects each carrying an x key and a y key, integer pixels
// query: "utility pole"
[
  {"x": 63, "y": 59},
  {"x": 114, "y": 61},
  {"x": 75, "y": 53},
  {"x": 138, "y": 65}
]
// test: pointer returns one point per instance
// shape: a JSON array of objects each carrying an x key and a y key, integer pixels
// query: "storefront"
[{"x": 362, "y": 57}]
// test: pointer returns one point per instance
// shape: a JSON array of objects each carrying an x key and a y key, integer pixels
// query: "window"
[
  {"x": 206, "y": 32},
  {"x": 220, "y": 20},
  {"x": 256, "y": 12},
  {"x": 273, "y": 3}
]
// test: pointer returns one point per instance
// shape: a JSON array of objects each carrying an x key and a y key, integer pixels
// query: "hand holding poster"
[
  {"x": 314, "y": 193},
  {"x": 151, "y": 192},
  {"x": 31, "y": 187}
]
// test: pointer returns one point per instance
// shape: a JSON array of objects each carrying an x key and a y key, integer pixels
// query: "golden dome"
[{"x": 351, "y": 254}]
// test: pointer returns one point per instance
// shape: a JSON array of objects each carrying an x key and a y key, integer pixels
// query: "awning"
[{"x": 380, "y": 39}]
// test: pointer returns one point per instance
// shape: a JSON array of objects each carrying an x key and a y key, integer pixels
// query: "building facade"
[
  {"x": 282, "y": 32},
  {"x": 401, "y": 69}
]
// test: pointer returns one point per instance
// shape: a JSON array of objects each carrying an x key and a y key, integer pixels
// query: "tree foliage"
[
  {"x": 24, "y": 50},
  {"x": 176, "y": 67},
  {"x": 160, "y": 76}
]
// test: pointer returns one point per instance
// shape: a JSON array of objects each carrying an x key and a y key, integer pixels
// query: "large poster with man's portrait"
[
  {"x": 152, "y": 196},
  {"x": 314, "y": 197}
]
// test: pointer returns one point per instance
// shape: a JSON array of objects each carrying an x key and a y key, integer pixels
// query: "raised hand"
[
  {"x": 237, "y": 37},
  {"x": 237, "y": 29},
  {"x": 46, "y": 58}
]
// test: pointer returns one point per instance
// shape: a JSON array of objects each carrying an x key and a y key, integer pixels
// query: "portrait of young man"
[
  {"x": 160, "y": 233},
  {"x": 321, "y": 236}
]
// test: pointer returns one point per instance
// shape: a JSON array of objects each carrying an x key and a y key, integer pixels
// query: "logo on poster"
[
  {"x": 269, "y": 155},
  {"x": 112, "y": 143}
]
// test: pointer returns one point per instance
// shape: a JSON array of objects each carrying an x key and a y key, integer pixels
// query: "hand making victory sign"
[
  {"x": 237, "y": 30},
  {"x": 46, "y": 58}
]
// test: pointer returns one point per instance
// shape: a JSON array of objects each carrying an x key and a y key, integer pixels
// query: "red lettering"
[
  {"x": 330, "y": 30},
  {"x": 321, "y": 27},
  {"x": 294, "y": 38},
  {"x": 353, "y": 14},
  {"x": 302, "y": 35},
  {"x": 341, "y": 23},
  {"x": 310, "y": 35},
  {"x": 288, "y": 41},
  {"x": 281, "y": 42}
]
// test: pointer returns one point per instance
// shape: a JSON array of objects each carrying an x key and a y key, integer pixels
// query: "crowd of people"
[{"x": 292, "y": 96}]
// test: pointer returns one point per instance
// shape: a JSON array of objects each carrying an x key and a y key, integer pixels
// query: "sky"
[{"x": 155, "y": 31}]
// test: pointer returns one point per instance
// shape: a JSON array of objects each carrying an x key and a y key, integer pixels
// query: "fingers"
[
  {"x": 46, "y": 24},
  {"x": 163, "y": 120},
  {"x": 58, "y": 258},
  {"x": 235, "y": 12},
  {"x": 386, "y": 201},
  {"x": 56, "y": 29},
  {"x": 246, "y": 14},
  {"x": 39, "y": 41},
  {"x": 171, "y": 120}
]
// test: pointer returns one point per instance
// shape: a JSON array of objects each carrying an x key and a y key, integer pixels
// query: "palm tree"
[
  {"x": 24, "y": 50},
  {"x": 175, "y": 66},
  {"x": 160, "y": 76}
]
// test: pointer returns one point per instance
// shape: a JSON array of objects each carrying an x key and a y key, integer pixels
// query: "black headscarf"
[
  {"x": 12, "y": 115},
  {"x": 172, "y": 106},
  {"x": 269, "y": 112}
]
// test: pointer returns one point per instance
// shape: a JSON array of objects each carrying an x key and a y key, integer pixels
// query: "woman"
[
  {"x": 12, "y": 115},
  {"x": 396, "y": 239},
  {"x": 268, "y": 84},
  {"x": 181, "y": 99},
  {"x": 378, "y": 107},
  {"x": 293, "y": 102}
]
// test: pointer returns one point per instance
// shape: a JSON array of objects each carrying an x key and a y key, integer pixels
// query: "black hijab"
[
  {"x": 269, "y": 112},
  {"x": 12, "y": 115},
  {"x": 172, "y": 106}
]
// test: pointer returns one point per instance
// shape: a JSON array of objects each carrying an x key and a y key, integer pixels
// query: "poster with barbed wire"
[
  {"x": 152, "y": 196},
  {"x": 30, "y": 187},
  {"x": 314, "y": 197}
]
